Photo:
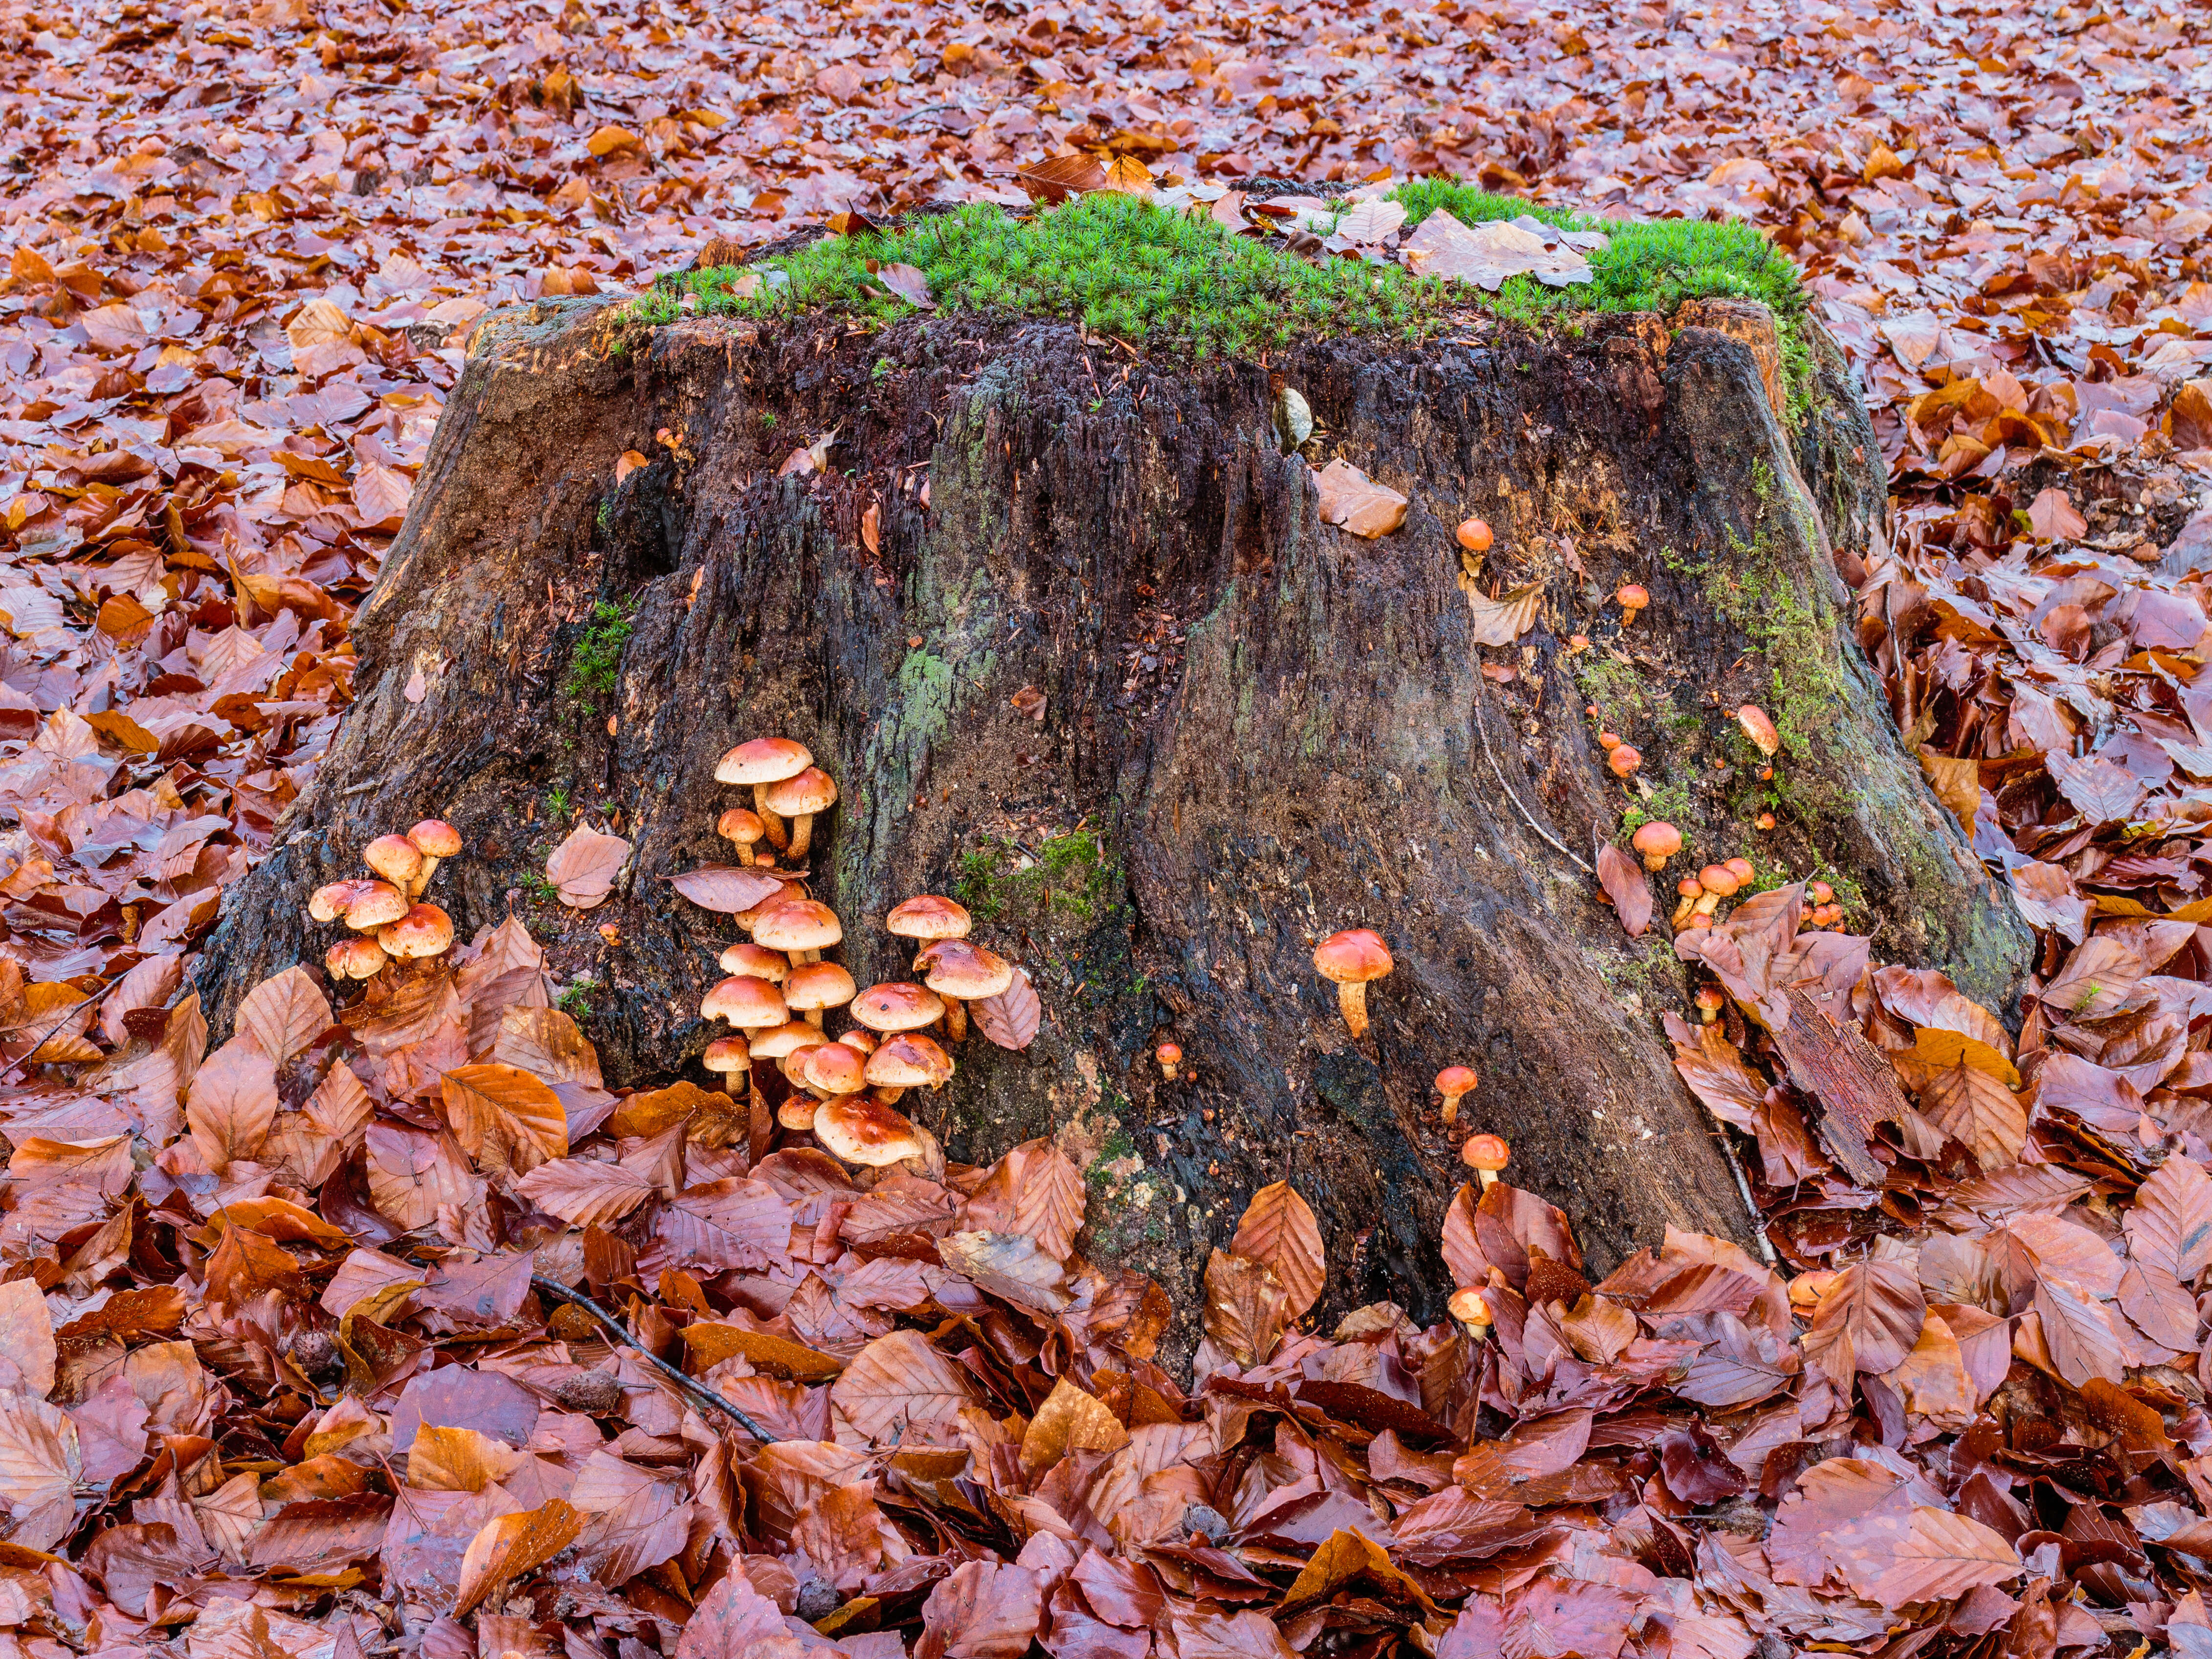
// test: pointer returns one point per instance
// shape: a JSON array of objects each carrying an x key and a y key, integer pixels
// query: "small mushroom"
[
  {"x": 1759, "y": 729},
  {"x": 424, "y": 931},
  {"x": 378, "y": 905},
  {"x": 360, "y": 957},
  {"x": 1623, "y": 760},
  {"x": 797, "y": 1113},
  {"x": 436, "y": 839},
  {"x": 1657, "y": 841},
  {"x": 860, "y": 1040},
  {"x": 864, "y": 1132},
  {"x": 1451, "y": 1083},
  {"x": 1743, "y": 869},
  {"x": 1169, "y": 1055},
  {"x": 815, "y": 986},
  {"x": 927, "y": 918},
  {"x": 763, "y": 761},
  {"x": 741, "y": 829},
  {"x": 1766, "y": 820},
  {"x": 961, "y": 972},
  {"x": 1474, "y": 536},
  {"x": 1469, "y": 1307},
  {"x": 1710, "y": 1003},
  {"x": 1632, "y": 599},
  {"x": 330, "y": 901},
  {"x": 758, "y": 961},
  {"x": 909, "y": 1061},
  {"x": 1807, "y": 1290},
  {"x": 799, "y": 800},
  {"x": 395, "y": 858},
  {"x": 730, "y": 1059},
  {"x": 897, "y": 1006},
  {"x": 777, "y": 1042},
  {"x": 834, "y": 1069},
  {"x": 1609, "y": 740},
  {"x": 1692, "y": 890},
  {"x": 1485, "y": 1154},
  {"x": 747, "y": 1003},
  {"x": 1350, "y": 960},
  {"x": 1819, "y": 892},
  {"x": 799, "y": 927},
  {"x": 793, "y": 1064}
]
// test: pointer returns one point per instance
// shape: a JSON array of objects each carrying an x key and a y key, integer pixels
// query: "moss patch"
[{"x": 1069, "y": 876}]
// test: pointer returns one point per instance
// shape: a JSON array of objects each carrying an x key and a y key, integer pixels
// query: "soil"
[{"x": 1255, "y": 729}]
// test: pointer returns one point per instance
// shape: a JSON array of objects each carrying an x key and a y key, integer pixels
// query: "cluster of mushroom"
[
  {"x": 779, "y": 989},
  {"x": 385, "y": 910}
]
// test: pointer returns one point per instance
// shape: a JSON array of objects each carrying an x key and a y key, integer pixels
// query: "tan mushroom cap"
[
  {"x": 745, "y": 1002},
  {"x": 927, "y": 916},
  {"x": 860, "y": 1040},
  {"x": 333, "y": 900},
  {"x": 395, "y": 858},
  {"x": 834, "y": 1069},
  {"x": 958, "y": 968},
  {"x": 909, "y": 1060},
  {"x": 810, "y": 791},
  {"x": 424, "y": 931},
  {"x": 435, "y": 838},
  {"x": 739, "y": 826},
  {"x": 731, "y": 1053},
  {"x": 797, "y": 924},
  {"x": 379, "y": 905},
  {"x": 862, "y": 1130},
  {"x": 777, "y": 1042},
  {"x": 797, "y": 1113},
  {"x": 897, "y": 1006},
  {"x": 1353, "y": 957},
  {"x": 818, "y": 985},
  {"x": 764, "y": 759},
  {"x": 758, "y": 961},
  {"x": 793, "y": 1064},
  {"x": 355, "y": 958}
]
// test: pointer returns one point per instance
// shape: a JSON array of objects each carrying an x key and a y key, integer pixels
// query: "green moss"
[
  {"x": 1069, "y": 876},
  {"x": 596, "y": 663},
  {"x": 1623, "y": 693},
  {"x": 1669, "y": 804},
  {"x": 575, "y": 1000}
]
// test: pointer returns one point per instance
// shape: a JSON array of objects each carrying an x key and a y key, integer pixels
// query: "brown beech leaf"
[
  {"x": 908, "y": 282},
  {"x": 39, "y": 1464},
  {"x": 1929, "y": 1555},
  {"x": 900, "y": 1382},
  {"x": 2100, "y": 790},
  {"x": 1279, "y": 1228},
  {"x": 586, "y": 1192},
  {"x": 1502, "y": 620},
  {"x": 1352, "y": 500},
  {"x": 2054, "y": 518},
  {"x": 1010, "y": 1018},
  {"x": 2078, "y": 1331},
  {"x": 1059, "y": 177},
  {"x": 284, "y": 1014},
  {"x": 28, "y": 1349},
  {"x": 1979, "y": 1111},
  {"x": 732, "y": 1620},
  {"x": 232, "y": 1103},
  {"x": 726, "y": 890},
  {"x": 2170, "y": 1224},
  {"x": 738, "y": 1222},
  {"x": 582, "y": 868},
  {"x": 1246, "y": 1308},
  {"x": 504, "y": 1117},
  {"x": 1069, "y": 1420},
  {"x": 984, "y": 1610},
  {"x": 1626, "y": 884},
  {"x": 1868, "y": 1321},
  {"x": 1035, "y": 1189},
  {"x": 512, "y": 1546}
]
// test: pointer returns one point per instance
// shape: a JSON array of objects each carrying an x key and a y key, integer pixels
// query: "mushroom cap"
[
  {"x": 740, "y": 826},
  {"x": 909, "y": 1060},
  {"x": 393, "y": 857},
  {"x": 778, "y": 1041},
  {"x": 818, "y": 985},
  {"x": 333, "y": 900},
  {"x": 1485, "y": 1152},
  {"x": 1821, "y": 891},
  {"x": 435, "y": 838},
  {"x": 359, "y": 957},
  {"x": 1709, "y": 996},
  {"x": 797, "y": 924},
  {"x": 1475, "y": 535},
  {"x": 1741, "y": 868},
  {"x": 729, "y": 1053},
  {"x": 757, "y": 960},
  {"x": 797, "y": 1113},
  {"x": 1455, "y": 1080},
  {"x": 1690, "y": 887},
  {"x": 1623, "y": 759},
  {"x": 764, "y": 760},
  {"x": 1469, "y": 1307},
  {"x": 862, "y": 1130},
  {"x": 1352, "y": 956},
  {"x": 1759, "y": 728},
  {"x": 810, "y": 791},
  {"x": 1719, "y": 878},
  {"x": 1631, "y": 596},
  {"x": 1170, "y": 1051},
  {"x": 897, "y": 1006},
  {"x": 746, "y": 1002},
  {"x": 1658, "y": 838},
  {"x": 834, "y": 1069},
  {"x": 860, "y": 1040},
  {"x": 793, "y": 1064},
  {"x": 378, "y": 905},
  {"x": 958, "y": 968},
  {"x": 424, "y": 931},
  {"x": 926, "y": 916}
]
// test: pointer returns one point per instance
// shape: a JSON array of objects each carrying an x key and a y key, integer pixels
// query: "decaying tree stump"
[{"x": 1273, "y": 729}]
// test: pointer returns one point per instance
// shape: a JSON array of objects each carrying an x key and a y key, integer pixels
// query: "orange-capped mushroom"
[
  {"x": 1657, "y": 841},
  {"x": 1485, "y": 1154},
  {"x": 1632, "y": 599},
  {"x": 1170, "y": 1054},
  {"x": 1452, "y": 1083},
  {"x": 1351, "y": 960}
]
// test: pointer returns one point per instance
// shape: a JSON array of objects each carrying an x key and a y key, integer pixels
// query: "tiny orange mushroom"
[
  {"x": 1485, "y": 1154},
  {"x": 1632, "y": 599},
  {"x": 1657, "y": 841},
  {"x": 1453, "y": 1082}
]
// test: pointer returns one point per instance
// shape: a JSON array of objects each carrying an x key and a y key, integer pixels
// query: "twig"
[
  {"x": 1556, "y": 845},
  {"x": 1743, "y": 1190},
  {"x": 690, "y": 1385},
  {"x": 105, "y": 984}
]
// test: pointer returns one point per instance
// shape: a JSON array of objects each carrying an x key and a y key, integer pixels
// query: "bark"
[{"x": 1275, "y": 729}]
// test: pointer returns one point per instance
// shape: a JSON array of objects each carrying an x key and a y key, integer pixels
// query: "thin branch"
[
  {"x": 60, "y": 1020},
  {"x": 1556, "y": 844},
  {"x": 690, "y": 1385}
]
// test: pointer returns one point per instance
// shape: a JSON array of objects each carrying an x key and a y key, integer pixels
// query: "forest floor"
[{"x": 245, "y": 248}]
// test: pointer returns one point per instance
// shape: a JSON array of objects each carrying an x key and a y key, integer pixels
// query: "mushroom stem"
[
  {"x": 802, "y": 836},
  {"x": 1487, "y": 1178},
  {"x": 772, "y": 824},
  {"x": 1351, "y": 998},
  {"x": 885, "y": 1094},
  {"x": 745, "y": 854},
  {"x": 800, "y": 957},
  {"x": 814, "y": 1017},
  {"x": 955, "y": 1020},
  {"x": 422, "y": 876}
]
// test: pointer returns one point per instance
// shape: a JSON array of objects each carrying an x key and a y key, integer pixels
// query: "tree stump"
[{"x": 1064, "y": 622}]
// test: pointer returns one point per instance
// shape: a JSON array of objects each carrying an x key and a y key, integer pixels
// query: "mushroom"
[
  {"x": 761, "y": 762},
  {"x": 434, "y": 839},
  {"x": 1469, "y": 1308},
  {"x": 1692, "y": 890},
  {"x": 758, "y": 961},
  {"x": 799, "y": 927},
  {"x": 747, "y": 1003},
  {"x": 1609, "y": 739},
  {"x": 379, "y": 905},
  {"x": 1350, "y": 960},
  {"x": 1657, "y": 841},
  {"x": 1759, "y": 729},
  {"x": 1623, "y": 760},
  {"x": 330, "y": 901},
  {"x": 1766, "y": 820},
  {"x": 963, "y": 973},
  {"x": 1485, "y": 1154},
  {"x": 1632, "y": 599},
  {"x": 1710, "y": 1002},
  {"x": 798, "y": 800},
  {"x": 1474, "y": 536},
  {"x": 741, "y": 829},
  {"x": 793, "y": 1064},
  {"x": 1451, "y": 1083},
  {"x": 1170, "y": 1054},
  {"x": 797, "y": 1113},
  {"x": 395, "y": 858},
  {"x": 864, "y": 1132},
  {"x": 909, "y": 1061},
  {"x": 897, "y": 1006},
  {"x": 777, "y": 1042},
  {"x": 360, "y": 957},
  {"x": 927, "y": 918},
  {"x": 1742, "y": 869},
  {"x": 730, "y": 1057},
  {"x": 860, "y": 1040},
  {"x": 1820, "y": 891},
  {"x": 834, "y": 1069},
  {"x": 424, "y": 931},
  {"x": 816, "y": 985}
]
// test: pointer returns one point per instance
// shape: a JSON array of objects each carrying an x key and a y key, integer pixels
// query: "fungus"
[
  {"x": 860, "y": 1040},
  {"x": 436, "y": 839},
  {"x": 1657, "y": 842},
  {"x": 1720, "y": 879},
  {"x": 777, "y": 1042},
  {"x": 1708, "y": 1003},
  {"x": 378, "y": 905},
  {"x": 834, "y": 1069},
  {"x": 1766, "y": 820},
  {"x": 1485, "y": 1154},
  {"x": 730, "y": 1057},
  {"x": 1469, "y": 1308},
  {"x": 424, "y": 931},
  {"x": 396, "y": 859},
  {"x": 1623, "y": 760},
  {"x": 748, "y": 1003},
  {"x": 799, "y": 927},
  {"x": 927, "y": 918},
  {"x": 1609, "y": 739},
  {"x": 1451, "y": 1083},
  {"x": 1474, "y": 536},
  {"x": 741, "y": 829},
  {"x": 761, "y": 762},
  {"x": 897, "y": 1006},
  {"x": 329, "y": 902},
  {"x": 1350, "y": 960},
  {"x": 1742, "y": 869},
  {"x": 1691, "y": 889},
  {"x": 909, "y": 1061},
  {"x": 758, "y": 961},
  {"x": 1170, "y": 1054},
  {"x": 360, "y": 957},
  {"x": 793, "y": 1064},
  {"x": 961, "y": 973},
  {"x": 797, "y": 1113},
  {"x": 1759, "y": 729},
  {"x": 1632, "y": 599},
  {"x": 816, "y": 985},
  {"x": 1820, "y": 891},
  {"x": 798, "y": 798},
  {"x": 864, "y": 1132}
]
